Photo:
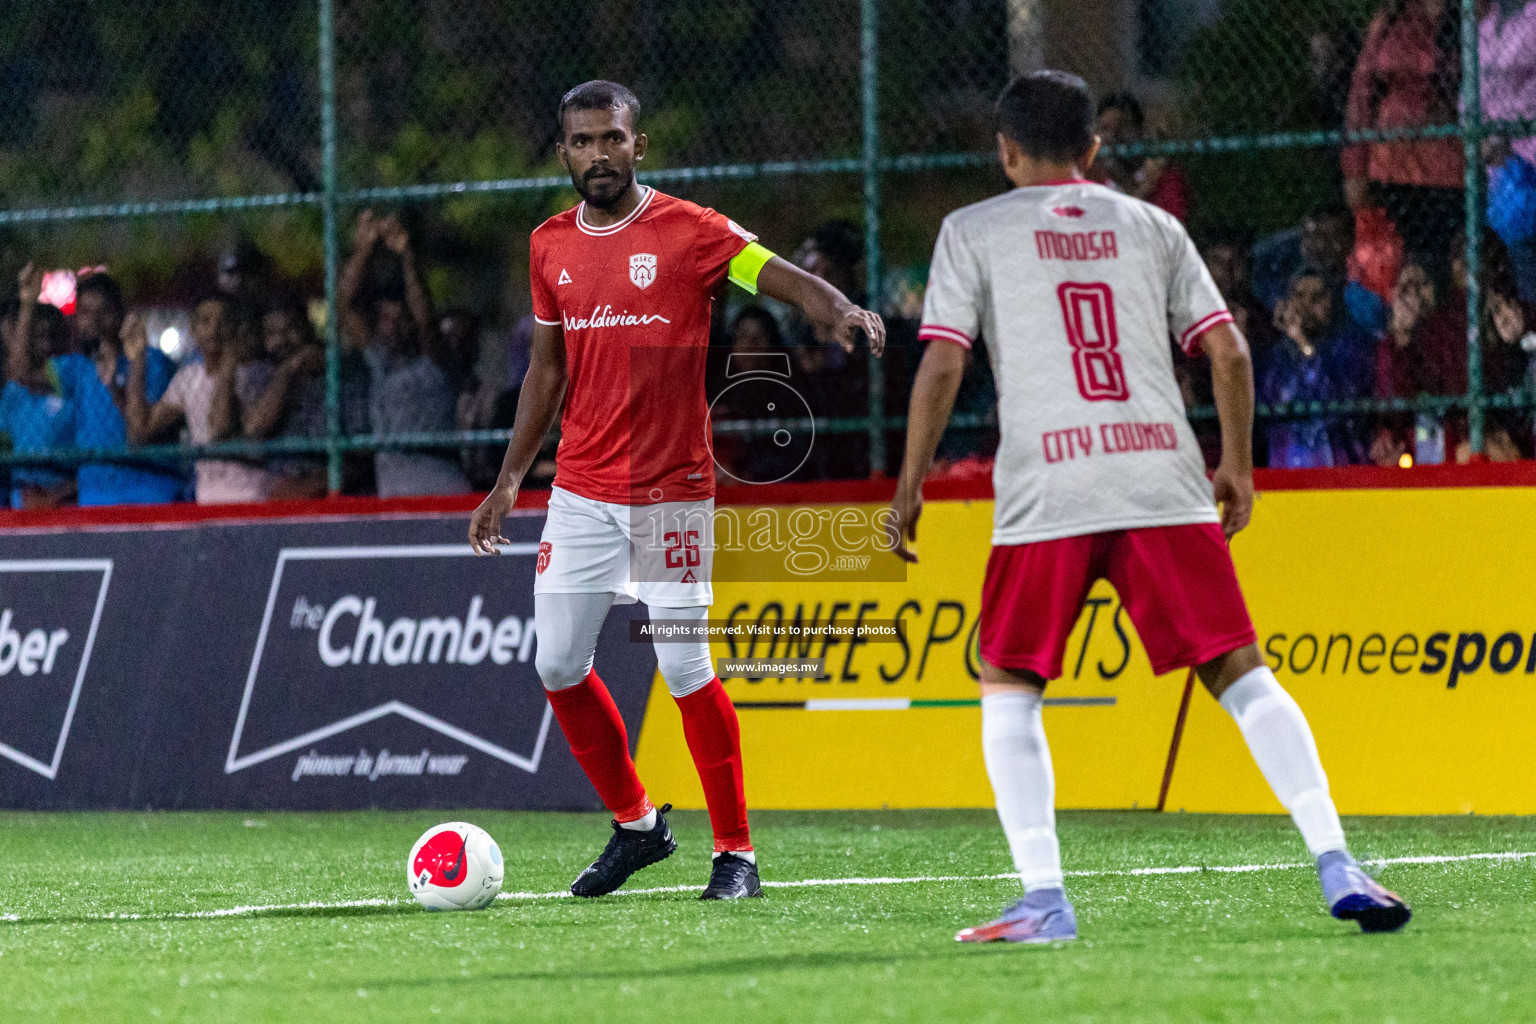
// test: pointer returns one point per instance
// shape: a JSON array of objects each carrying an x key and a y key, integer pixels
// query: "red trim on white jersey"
[
  {"x": 934, "y": 332},
  {"x": 613, "y": 229},
  {"x": 1191, "y": 336}
]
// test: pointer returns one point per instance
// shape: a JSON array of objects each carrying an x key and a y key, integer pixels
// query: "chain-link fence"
[{"x": 1358, "y": 173}]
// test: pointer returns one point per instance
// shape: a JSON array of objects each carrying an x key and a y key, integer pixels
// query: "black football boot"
[
  {"x": 628, "y": 851},
  {"x": 732, "y": 878}
]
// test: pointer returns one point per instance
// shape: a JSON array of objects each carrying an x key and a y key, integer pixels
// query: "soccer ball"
[{"x": 455, "y": 866}]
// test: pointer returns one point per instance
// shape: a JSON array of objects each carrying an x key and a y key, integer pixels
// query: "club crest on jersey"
[
  {"x": 1069, "y": 211},
  {"x": 543, "y": 560},
  {"x": 642, "y": 269}
]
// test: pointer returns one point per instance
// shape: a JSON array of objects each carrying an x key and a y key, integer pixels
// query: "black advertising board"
[{"x": 320, "y": 664}]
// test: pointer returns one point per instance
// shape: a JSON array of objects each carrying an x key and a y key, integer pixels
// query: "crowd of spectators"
[
  {"x": 255, "y": 371},
  {"x": 1364, "y": 299}
]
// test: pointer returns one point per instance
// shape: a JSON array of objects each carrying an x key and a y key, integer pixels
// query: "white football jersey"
[{"x": 1076, "y": 289}]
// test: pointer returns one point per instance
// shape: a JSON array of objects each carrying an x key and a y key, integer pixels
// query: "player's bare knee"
[{"x": 1225, "y": 669}]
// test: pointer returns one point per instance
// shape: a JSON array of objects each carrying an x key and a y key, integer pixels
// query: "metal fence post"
[
  {"x": 869, "y": 80},
  {"x": 333, "y": 424},
  {"x": 1471, "y": 124}
]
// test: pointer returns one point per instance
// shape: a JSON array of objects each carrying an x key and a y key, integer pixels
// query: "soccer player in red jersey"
[
  {"x": 622, "y": 290},
  {"x": 1076, "y": 290}
]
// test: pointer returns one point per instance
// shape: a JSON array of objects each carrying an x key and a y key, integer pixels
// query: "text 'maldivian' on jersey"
[
  {"x": 1076, "y": 290},
  {"x": 634, "y": 301}
]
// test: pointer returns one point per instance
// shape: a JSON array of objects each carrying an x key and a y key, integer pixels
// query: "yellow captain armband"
[{"x": 748, "y": 264}]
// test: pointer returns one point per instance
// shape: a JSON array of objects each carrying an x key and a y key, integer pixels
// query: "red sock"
[
  {"x": 591, "y": 723},
  {"x": 714, "y": 740}
]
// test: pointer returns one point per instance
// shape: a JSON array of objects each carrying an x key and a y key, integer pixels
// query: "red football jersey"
[{"x": 634, "y": 299}]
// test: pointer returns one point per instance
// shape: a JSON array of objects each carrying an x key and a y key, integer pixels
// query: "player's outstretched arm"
[
  {"x": 1232, "y": 381},
  {"x": 537, "y": 405},
  {"x": 822, "y": 304},
  {"x": 933, "y": 399}
]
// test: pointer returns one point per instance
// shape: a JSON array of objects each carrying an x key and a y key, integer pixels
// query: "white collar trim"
[{"x": 613, "y": 229}]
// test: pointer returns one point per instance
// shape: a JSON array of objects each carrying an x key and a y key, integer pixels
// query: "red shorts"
[{"x": 1177, "y": 583}]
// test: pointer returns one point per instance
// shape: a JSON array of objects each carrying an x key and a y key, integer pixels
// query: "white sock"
[
  {"x": 1019, "y": 765},
  {"x": 1281, "y": 742},
  {"x": 750, "y": 856},
  {"x": 642, "y": 824}
]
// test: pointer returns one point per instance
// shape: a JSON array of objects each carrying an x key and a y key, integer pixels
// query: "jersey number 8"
[{"x": 1089, "y": 312}]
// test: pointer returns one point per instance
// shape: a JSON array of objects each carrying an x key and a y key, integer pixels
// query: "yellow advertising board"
[
  {"x": 897, "y": 724},
  {"x": 1421, "y": 607},
  {"x": 1403, "y": 621}
]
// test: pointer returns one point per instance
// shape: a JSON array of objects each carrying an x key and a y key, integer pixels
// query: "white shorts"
[{"x": 661, "y": 554}]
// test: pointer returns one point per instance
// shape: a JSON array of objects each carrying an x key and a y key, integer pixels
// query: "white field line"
[
  {"x": 252, "y": 910},
  {"x": 1183, "y": 869}
]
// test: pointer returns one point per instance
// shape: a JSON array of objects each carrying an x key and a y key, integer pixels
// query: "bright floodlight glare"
[
  {"x": 170, "y": 341},
  {"x": 1405, "y": 461}
]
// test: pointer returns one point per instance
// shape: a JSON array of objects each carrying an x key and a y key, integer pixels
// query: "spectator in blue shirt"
[
  {"x": 33, "y": 411},
  {"x": 94, "y": 383},
  {"x": 1322, "y": 355},
  {"x": 1322, "y": 244}
]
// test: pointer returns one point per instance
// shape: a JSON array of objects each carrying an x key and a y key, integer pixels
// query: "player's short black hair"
[
  {"x": 1127, "y": 104},
  {"x": 106, "y": 285},
  {"x": 598, "y": 95},
  {"x": 1048, "y": 113}
]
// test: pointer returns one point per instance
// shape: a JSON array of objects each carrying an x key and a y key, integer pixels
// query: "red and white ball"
[{"x": 455, "y": 866}]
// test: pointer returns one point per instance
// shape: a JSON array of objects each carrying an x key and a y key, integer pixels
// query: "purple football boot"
[
  {"x": 1041, "y": 916},
  {"x": 1352, "y": 895}
]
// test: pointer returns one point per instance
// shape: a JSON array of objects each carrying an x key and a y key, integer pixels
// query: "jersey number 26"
[
  {"x": 682, "y": 548},
  {"x": 1089, "y": 312}
]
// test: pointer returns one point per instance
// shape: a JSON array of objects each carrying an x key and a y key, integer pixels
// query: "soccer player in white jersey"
[
  {"x": 622, "y": 289},
  {"x": 1076, "y": 289}
]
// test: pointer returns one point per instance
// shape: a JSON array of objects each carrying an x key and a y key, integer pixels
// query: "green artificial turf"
[{"x": 1180, "y": 947}]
